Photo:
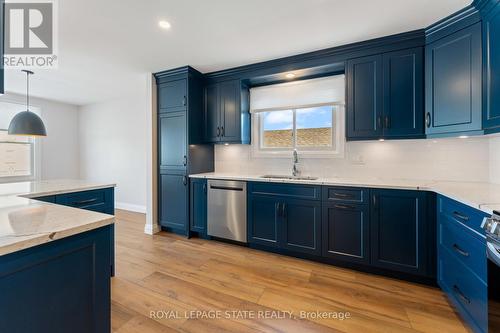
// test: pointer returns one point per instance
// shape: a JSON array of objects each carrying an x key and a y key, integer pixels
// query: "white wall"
[
  {"x": 59, "y": 150},
  {"x": 441, "y": 159},
  {"x": 113, "y": 144}
]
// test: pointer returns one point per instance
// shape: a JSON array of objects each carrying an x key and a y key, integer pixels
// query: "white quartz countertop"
[
  {"x": 25, "y": 223},
  {"x": 482, "y": 196}
]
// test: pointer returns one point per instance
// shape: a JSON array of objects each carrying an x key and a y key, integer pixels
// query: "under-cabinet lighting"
[
  {"x": 290, "y": 75},
  {"x": 463, "y": 136},
  {"x": 164, "y": 25},
  {"x": 226, "y": 144},
  {"x": 381, "y": 140}
]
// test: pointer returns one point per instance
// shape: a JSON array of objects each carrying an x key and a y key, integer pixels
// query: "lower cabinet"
[
  {"x": 263, "y": 220},
  {"x": 280, "y": 222},
  {"x": 392, "y": 232},
  {"x": 398, "y": 231},
  {"x": 198, "y": 206},
  {"x": 302, "y": 225},
  {"x": 462, "y": 263},
  {"x": 345, "y": 232},
  {"x": 173, "y": 200}
]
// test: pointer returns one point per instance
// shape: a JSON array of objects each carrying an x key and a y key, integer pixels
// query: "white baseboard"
[
  {"x": 130, "y": 207},
  {"x": 151, "y": 229}
]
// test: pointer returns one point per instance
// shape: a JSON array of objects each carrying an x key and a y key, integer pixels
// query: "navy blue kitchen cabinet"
[
  {"x": 264, "y": 221},
  {"x": 172, "y": 134},
  {"x": 491, "y": 70},
  {"x": 345, "y": 232},
  {"x": 100, "y": 200},
  {"x": 173, "y": 202},
  {"x": 364, "y": 98},
  {"x": 453, "y": 83},
  {"x": 172, "y": 96},
  {"x": 462, "y": 263},
  {"x": 181, "y": 147},
  {"x": 285, "y": 216},
  {"x": 63, "y": 284},
  {"x": 301, "y": 226},
  {"x": 385, "y": 96},
  {"x": 198, "y": 205},
  {"x": 403, "y": 110},
  {"x": 226, "y": 116},
  {"x": 398, "y": 231}
]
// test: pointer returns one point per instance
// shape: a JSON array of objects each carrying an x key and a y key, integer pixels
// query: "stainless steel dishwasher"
[{"x": 227, "y": 210}]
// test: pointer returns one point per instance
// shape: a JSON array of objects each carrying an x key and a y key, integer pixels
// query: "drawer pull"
[
  {"x": 342, "y": 195},
  {"x": 461, "y": 216},
  {"x": 344, "y": 207},
  {"x": 83, "y": 202},
  {"x": 459, "y": 250},
  {"x": 457, "y": 291}
]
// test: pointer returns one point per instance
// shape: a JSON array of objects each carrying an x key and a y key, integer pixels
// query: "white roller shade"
[{"x": 328, "y": 90}]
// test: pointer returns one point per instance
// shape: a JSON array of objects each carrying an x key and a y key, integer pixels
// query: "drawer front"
[
  {"x": 470, "y": 217},
  {"x": 466, "y": 291},
  {"x": 97, "y": 200},
  {"x": 464, "y": 245},
  {"x": 345, "y": 194},
  {"x": 310, "y": 192}
]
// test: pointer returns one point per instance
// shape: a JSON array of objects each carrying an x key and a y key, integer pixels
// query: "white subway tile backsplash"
[{"x": 472, "y": 159}]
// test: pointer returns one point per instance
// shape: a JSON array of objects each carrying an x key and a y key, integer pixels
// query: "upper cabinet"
[
  {"x": 453, "y": 83},
  {"x": 491, "y": 70},
  {"x": 385, "y": 96},
  {"x": 227, "y": 117}
]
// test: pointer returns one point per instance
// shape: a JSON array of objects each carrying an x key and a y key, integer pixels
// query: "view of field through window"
[{"x": 312, "y": 127}]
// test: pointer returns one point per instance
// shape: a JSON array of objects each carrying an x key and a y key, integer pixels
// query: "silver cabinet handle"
[
  {"x": 428, "y": 119},
  {"x": 460, "y": 251},
  {"x": 461, "y": 216},
  {"x": 345, "y": 207},
  {"x": 342, "y": 195},
  {"x": 185, "y": 160},
  {"x": 222, "y": 131},
  {"x": 184, "y": 180},
  {"x": 84, "y": 201},
  {"x": 457, "y": 291},
  {"x": 184, "y": 101}
]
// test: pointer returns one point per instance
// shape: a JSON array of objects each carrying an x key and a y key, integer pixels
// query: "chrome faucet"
[{"x": 295, "y": 170}]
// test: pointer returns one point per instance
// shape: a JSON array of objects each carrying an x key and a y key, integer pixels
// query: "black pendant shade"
[{"x": 27, "y": 122}]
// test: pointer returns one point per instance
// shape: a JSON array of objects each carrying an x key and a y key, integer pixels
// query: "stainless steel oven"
[{"x": 492, "y": 228}]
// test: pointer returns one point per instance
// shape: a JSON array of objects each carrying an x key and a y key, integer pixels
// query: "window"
[
  {"x": 306, "y": 128},
  {"x": 17, "y": 153},
  {"x": 304, "y": 115}
]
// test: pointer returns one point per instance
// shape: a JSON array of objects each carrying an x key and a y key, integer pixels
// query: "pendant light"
[{"x": 27, "y": 122}]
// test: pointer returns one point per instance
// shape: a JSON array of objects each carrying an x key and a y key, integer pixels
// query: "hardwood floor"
[{"x": 193, "y": 280}]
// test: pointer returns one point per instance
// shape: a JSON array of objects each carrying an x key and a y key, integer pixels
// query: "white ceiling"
[{"x": 107, "y": 46}]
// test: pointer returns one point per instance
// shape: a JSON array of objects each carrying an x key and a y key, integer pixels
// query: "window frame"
[
  {"x": 335, "y": 150},
  {"x": 35, "y": 149}
]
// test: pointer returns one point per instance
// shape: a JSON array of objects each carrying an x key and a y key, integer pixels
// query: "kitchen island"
[{"x": 55, "y": 260}]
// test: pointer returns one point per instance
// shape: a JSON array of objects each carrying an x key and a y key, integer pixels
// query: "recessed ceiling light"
[
  {"x": 164, "y": 24},
  {"x": 290, "y": 75}
]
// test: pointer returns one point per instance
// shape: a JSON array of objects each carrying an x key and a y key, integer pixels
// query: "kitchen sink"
[{"x": 288, "y": 177}]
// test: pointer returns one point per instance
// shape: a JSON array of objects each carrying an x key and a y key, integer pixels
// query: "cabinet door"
[
  {"x": 491, "y": 70},
  {"x": 264, "y": 220},
  {"x": 172, "y": 96},
  {"x": 173, "y": 202},
  {"x": 404, "y": 93},
  {"x": 364, "y": 98},
  {"x": 453, "y": 82},
  {"x": 172, "y": 140},
  {"x": 212, "y": 114},
  {"x": 398, "y": 233},
  {"x": 345, "y": 232},
  {"x": 198, "y": 205},
  {"x": 301, "y": 226},
  {"x": 230, "y": 111}
]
